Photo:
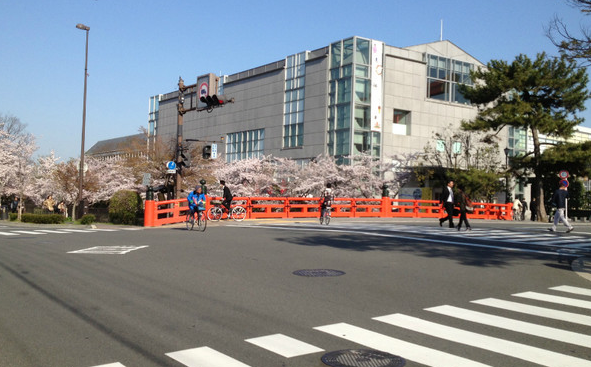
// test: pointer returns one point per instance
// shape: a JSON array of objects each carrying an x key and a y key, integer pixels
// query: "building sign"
[{"x": 377, "y": 86}]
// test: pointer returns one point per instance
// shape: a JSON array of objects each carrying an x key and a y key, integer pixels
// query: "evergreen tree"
[{"x": 541, "y": 96}]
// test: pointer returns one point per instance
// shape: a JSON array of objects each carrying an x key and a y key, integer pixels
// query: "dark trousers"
[
  {"x": 227, "y": 204},
  {"x": 449, "y": 208},
  {"x": 463, "y": 218}
]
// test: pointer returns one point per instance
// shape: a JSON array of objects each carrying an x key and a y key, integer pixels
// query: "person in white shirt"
[{"x": 447, "y": 201}]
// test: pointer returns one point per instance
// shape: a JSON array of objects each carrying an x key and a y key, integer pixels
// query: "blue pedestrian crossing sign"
[{"x": 171, "y": 167}]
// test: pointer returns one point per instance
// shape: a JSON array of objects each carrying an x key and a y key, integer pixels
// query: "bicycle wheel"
[
  {"x": 214, "y": 213},
  {"x": 321, "y": 216},
  {"x": 238, "y": 213},
  {"x": 202, "y": 221},
  {"x": 190, "y": 222},
  {"x": 327, "y": 217}
]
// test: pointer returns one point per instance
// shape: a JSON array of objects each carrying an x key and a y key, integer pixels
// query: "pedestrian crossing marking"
[
  {"x": 111, "y": 365},
  {"x": 407, "y": 350},
  {"x": 28, "y": 232},
  {"x": 536, "y": 311},
  {"x": 8, "y": 234},
  {"x": 514, "y": 325},
  {"x": 284, "y": 345},
  {"x": 50, "y": 231},
  {"x": 108, "y": 250},
  {"x": 575, "y": 290},
  {"x": 555, "y": 299},
  {"x": 517, "y": 350},
  {"x": 204, "y": 357}
]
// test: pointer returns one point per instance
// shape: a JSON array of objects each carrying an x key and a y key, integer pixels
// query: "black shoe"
[
  {"x": 551, "y": 230},
  {"x": 440, "y": 223},
  {"x": 458, "y": 227},
  {"x": 469, "y": 229}
]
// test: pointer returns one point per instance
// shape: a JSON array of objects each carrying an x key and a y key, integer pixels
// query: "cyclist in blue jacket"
[{"x": 196, "y": 200}]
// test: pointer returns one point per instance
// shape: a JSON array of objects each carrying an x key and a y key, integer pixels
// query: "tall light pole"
[
  {"x": 507, "y": 150},
  {"x": 81, "y": 168}
]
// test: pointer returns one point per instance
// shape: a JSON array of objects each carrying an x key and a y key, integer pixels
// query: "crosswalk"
[
  {"x": 568, "y": 304},
  {"x": 39, "y": 232}
]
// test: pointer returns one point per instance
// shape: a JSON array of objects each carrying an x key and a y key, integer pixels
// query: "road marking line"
[
  {"x": 514, "y": 325},
  {"x": 517, "y": 350},
  {"x": 575, "y": 290},
  {"x": 548, "y": 313},
  {"x": 78, "y": 230},
  {"x": 284, "y": 345},
  {"x": 410, "y": 351},
  {"x": 117, "y": 364},
  {"x": 108, "y": 250},
  {"x": 555, "y": 299},
  {"x": 50, "y": 231},
  {"x": 28, "y": 232},
  {"x": 204, "y": 357},
  {"x": 8, "y": 234}
]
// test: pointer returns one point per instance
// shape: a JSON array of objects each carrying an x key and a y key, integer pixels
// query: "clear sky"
[{"x": 138, "y": 49}]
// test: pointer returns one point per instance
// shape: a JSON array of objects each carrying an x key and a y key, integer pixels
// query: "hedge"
[{"x": 43, "y": 218}]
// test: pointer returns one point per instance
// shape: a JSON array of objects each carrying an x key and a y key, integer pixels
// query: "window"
[
  {"x": 401, "y": 124},
  {"x": 245, "y": 144},
  {"x": 444, "y": 76}
]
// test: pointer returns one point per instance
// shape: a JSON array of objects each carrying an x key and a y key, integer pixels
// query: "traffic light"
[
  {"x": 185, "y": 160},
  {"x": 214, "y": 101},
  {"x": 207, "y": 152}
]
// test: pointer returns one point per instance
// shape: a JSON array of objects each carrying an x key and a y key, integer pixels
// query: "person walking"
[
  {"x": 447, "y": 201},
  {"x": 463, "y": 202},
  {"x": 559, "y": 201},
  {"x": 523, "y": 208}
]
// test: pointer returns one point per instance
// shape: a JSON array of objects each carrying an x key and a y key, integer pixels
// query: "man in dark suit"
[{"x": 447, "y": 200}]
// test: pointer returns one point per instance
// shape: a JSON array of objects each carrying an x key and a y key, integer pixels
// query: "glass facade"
[
  {"x": 349, "y": 102},
  {"x": 245, "y": 144},
  {"x": 517, "y": 142},
  {"x": 443, "y": 77},
  {"x": 293, "y": 114},
  {"x": 153, "y": 113}
]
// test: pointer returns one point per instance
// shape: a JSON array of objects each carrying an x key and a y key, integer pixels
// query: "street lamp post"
[
  {"x": 81, "y": 168},
  {"x": 507, "y": 150}
]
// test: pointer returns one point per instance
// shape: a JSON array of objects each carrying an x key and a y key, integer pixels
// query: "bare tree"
[{"x": 575, "y": 47}]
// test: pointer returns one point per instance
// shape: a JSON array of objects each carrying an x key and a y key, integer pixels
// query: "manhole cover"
[
  {"x": 362, "y": 358},
  {"x": 318, "y": 273}
]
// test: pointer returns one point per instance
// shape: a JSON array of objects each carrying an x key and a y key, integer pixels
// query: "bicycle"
[
  {"x": 215, "y": 213},
  {"x": 199, "y": 217},
  {"x": 325, "y": 215}
]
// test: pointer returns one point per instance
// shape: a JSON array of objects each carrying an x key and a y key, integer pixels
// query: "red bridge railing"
[{"x": 158, "y": 213}]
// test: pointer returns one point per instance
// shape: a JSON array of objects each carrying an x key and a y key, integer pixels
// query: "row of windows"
[
  {"x": 293, "y": 114},
  {"x": 444, "y": 77},
  {"x": 245, "y": 145}
]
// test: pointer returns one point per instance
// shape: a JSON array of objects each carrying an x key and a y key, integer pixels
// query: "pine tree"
[{"x": 542, "y": 96}]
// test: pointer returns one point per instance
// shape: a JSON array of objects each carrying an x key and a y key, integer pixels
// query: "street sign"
[
  {"x": 564, "y": 182},
  {"x": 214, "y": 151},
  {"x": 171, "y": 167},
  {"x": 564, "y": 174}
]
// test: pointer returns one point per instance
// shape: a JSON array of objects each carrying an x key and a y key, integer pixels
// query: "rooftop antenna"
[{"x": 441, "y": 31}]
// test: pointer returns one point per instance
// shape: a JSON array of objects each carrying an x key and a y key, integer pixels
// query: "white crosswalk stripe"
[
  {"x": 18, "y": 232},
  {"x": 288, "y": 347},
  {"x": 204, "y": 357},
  {"x": 284, "y": 345}
]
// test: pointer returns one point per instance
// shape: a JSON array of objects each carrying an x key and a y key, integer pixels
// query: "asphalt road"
[{"x": 162, "y": 296}]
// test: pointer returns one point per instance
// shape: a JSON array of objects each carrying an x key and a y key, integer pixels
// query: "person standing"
[
  {"x": 447, "y": 201},
  {"x": 559, "y": 201},
  {"x": 227, "y": 196},
  {"x": 463, "y": 202},
  {"x": 533, "y": 208},
  {"x": 523, "y": 208}
]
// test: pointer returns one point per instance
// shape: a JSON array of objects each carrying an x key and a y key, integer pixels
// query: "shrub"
[
  {"x": 87, "y": 219},
  {"x": 12, "y": 216},
  {"x": 43, "y": 218},
  {"x": 125, "y": 207}
]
